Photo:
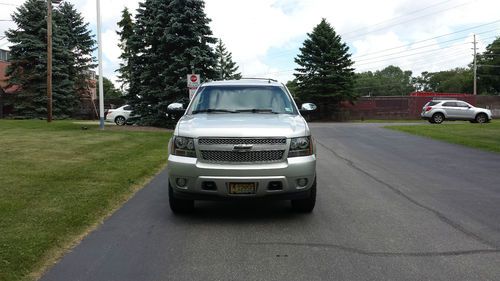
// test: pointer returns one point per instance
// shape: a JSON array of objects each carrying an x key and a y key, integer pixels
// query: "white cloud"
[{"x": 110, "y": 47}]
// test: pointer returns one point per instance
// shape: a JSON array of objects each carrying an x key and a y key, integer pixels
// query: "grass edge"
[{"x": 53, "y": 256}]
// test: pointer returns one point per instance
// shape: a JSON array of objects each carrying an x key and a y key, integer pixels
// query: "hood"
[{"x": 241, "y": 125}]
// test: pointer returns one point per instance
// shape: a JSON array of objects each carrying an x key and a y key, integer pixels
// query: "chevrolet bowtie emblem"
[{"x": 242, "y": 147}]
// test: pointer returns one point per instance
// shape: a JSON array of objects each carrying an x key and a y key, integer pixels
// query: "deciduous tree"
[{"x": 489, "y": 69}]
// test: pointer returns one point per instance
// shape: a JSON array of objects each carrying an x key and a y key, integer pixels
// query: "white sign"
[
  {"x": 193, "y": 80},
  {"x": 192, "y": 91}
]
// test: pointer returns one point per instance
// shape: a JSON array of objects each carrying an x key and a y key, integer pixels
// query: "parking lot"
[{"x": 391, "y": 206}]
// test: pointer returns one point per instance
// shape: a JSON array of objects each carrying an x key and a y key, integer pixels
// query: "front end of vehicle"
[{"x": 241, "y": 167}]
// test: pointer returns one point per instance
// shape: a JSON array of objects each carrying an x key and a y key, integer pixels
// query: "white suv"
[
  {"x": 241, "y": 139},
  {"x": 438, "y": 110}
]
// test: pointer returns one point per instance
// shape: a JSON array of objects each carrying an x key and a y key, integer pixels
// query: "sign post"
[{"x": 193, "y": 82}]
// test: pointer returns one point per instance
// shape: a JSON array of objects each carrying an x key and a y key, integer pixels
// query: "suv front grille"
[
  {"x": 246, "y": 156},
  {"x": 234, "y": 141}
]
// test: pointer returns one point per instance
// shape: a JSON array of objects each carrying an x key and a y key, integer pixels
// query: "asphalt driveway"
[{"x": 391, "y": 206}]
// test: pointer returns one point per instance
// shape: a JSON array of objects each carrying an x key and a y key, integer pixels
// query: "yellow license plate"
[{"x": 242, "y": 188}]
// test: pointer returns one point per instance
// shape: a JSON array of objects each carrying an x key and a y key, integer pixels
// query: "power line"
[
  {"x": 389, "y": 20},
  {"x": 8, "y": 4},
  {"x": 385, "y": 60},
  {"x": 393, "y": 58},
  {"x": 421, "y": 62},
  {"x": 422, "y": 47},
  {"x": 417, "y": 64},
  {"x": 352, "y": 31},
  {"x": 429, "y": 39},
  {"x": 420, "y": 41},
  {"x": 409, "y": 55},
  {"x": 375, "y": 30}
]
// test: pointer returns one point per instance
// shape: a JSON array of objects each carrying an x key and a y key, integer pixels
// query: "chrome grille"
[
  {"x": 247, "y": 156},
  {"x": 219, "y": 141}
]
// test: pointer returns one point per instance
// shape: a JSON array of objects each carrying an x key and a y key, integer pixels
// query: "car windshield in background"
[{"x": 239, "y": 99}]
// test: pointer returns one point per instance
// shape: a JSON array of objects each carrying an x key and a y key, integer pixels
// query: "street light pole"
[
  {"x": 49, "y": 60},
  {"x": 101, "y": 87}
]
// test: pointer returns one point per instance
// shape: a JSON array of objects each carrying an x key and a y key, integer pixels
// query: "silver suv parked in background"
[
  {"x": 242, "y": 139},
  {"x": 438, "y": 110}
]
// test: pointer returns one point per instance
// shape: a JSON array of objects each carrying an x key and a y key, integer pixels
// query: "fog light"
[
  {"x": 302, "y": 182},
  {"x": 181, "y": 182}
]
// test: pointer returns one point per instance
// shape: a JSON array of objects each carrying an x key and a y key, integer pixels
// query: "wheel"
[
  {"x": 179, "y": 206},
  {"x": 481, "y": 118},
  {"x": 306, "y": 205},
  {"x": 438, "y": 118},
  {"x": 120, "y": 120}
]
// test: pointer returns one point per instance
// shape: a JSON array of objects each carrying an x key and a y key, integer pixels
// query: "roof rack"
[
  {"x": 256, "y": 78},
  {"x": 443, "y": 98}
]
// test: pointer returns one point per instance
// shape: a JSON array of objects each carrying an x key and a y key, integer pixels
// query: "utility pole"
[
  {"x": 49, "y": 60},
  {"x": 475, "y": 67},
  {"x": 101, "y": 87}
]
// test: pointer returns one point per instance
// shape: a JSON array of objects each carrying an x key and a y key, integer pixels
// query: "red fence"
[{"x": 407, "y": 107}]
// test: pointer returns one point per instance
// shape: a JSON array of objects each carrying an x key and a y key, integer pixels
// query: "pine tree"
[
  {"x": 126, "y": 26},
  {"x": 171, "y": 38},
  {"x": 29, "y": 63},
  {"x": 71, "y": 59},
  {"x": 325, "y": 74},
  {"x": 80, "y": 43},
  {"x": 226, "y": 68}
]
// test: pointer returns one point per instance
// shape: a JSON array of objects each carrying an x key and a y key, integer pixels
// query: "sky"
[{"x": 264, "y": 36}]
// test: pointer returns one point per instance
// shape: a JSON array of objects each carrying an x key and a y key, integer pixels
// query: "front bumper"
[{"x": 195, "y": 173}]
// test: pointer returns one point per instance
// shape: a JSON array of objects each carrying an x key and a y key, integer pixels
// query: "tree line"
[{"x": 167, "y": 39}]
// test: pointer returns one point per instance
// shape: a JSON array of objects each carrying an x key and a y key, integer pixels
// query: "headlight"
[
  {"x": 300, "y": 147},
  {"x": 183, "y": 146}
]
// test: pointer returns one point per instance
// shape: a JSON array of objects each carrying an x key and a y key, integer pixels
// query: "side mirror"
[
  {"x": 308, "y": 107},
  {"x": 175, "y": 110},
  {"x": 175, "y": 107}
]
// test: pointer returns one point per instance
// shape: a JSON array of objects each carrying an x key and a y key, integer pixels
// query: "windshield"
[{"x": 237, "y": 99}]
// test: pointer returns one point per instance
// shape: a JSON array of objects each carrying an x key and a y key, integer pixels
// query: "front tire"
[
  {"x": 179, "y": 206},
  {"x": 438, "y": 118},
  {"x": 481, "y": 118},
  {"x": 120, "y": 120},
  {"x": 306, "y": 205}
]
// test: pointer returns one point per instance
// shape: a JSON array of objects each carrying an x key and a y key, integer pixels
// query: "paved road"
[{"x": 391, "y": 207}]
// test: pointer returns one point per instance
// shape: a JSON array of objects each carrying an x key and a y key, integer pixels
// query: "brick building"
[{"x": 4, "y": 63}]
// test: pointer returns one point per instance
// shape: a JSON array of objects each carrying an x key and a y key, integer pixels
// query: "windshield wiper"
[
  {"x": 258, "y": 110},
  {"x": 213, "y": 110}
]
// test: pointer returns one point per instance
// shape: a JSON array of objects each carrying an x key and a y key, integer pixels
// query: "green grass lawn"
[
  {"x": 58, "y": 181},
  {"x": 388, "y": 121},
  {"x": 482, "y": 136}
]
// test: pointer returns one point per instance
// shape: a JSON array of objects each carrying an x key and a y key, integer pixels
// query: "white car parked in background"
[{"x": 119, "y": 115}]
